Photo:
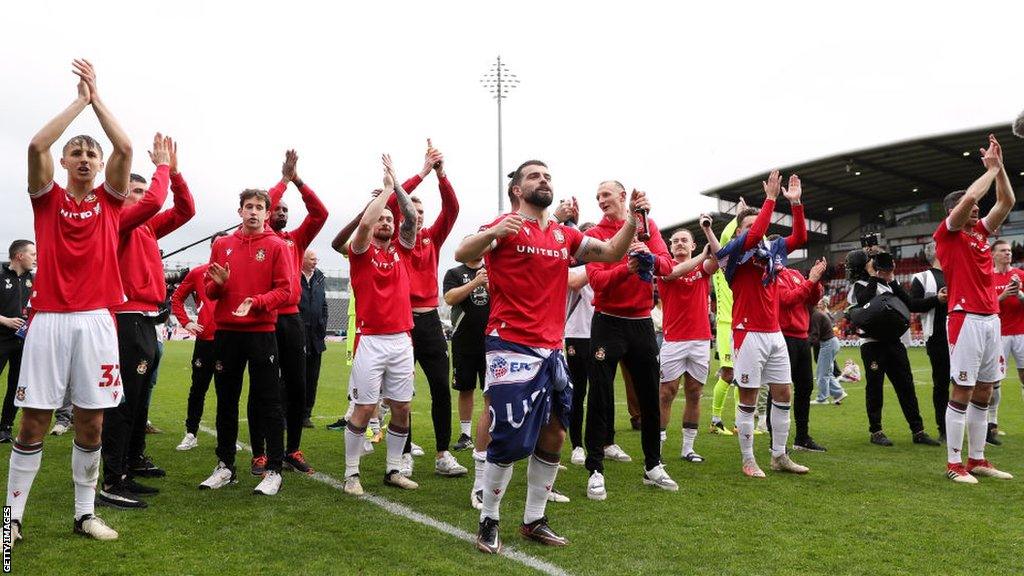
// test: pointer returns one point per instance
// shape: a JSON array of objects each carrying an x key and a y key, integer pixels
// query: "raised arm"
[
  {"x": 408, "y": 228},
  {"x": 139, "y": 213},
  {"x": 119, "y": 165},
  {"x": 615, "y": 248},
  {"x": 798, "y": 237},
  {"x": 40, "y": 161},
  {"x": 961, "y": 213},
  {"x": 771, "y": 191},
  {"x": 1005, "y": 198},
  {"x": 343, "y": 235},
  {"x": 184, "y": 207},
  {"x": 364, "y": 230},
  {"x": 685, "y": 267}
]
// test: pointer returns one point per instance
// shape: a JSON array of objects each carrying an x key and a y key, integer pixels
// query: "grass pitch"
[{"x": 863, "y": 509}]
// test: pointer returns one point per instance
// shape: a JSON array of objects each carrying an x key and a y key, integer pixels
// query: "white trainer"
[
  {"x": 556, "y": 496},
  {"x": 657, "y": 476},
  {"x": 94, "y": 527},
  {"x": 784, "y": 463},
  {"x": 188, "y": 442},
  {"x": 270, "y": 485},
  {"x": 595, "y": 487},
  {"x": 352, "y": 486},
  {"x": 406, "y": 468},
  {"x": 59, "y": 429},
  {"x": 448, "y": 466},
  {"x": 416, "y": 450},
  {"x": 221, "y": 477},
  {"x": 397, "y": 480},
  {"x": 614, "y": 452},
  {"x": 579, "y": 456}
]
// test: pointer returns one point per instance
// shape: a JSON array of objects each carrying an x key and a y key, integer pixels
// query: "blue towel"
[{"x": 646, "y": 269}]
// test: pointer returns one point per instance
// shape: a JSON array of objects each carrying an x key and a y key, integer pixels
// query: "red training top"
[
  {"x": 299, "y": 239},
  {"x": 142, "y": 269},
  {"x": 617, "y": 292},
  {"x": 259, "y": 265},
  {"x": 193, "y": 284},
  {"x": 423, "y": 273},
  {"x": 797, "y": 297}
]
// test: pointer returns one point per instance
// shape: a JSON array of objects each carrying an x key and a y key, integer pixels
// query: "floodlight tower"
[{"x": 499, "y": 82}]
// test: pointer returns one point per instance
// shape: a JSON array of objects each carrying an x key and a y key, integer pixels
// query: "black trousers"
[
  {"x": 631, "y": 341},
  {"x": 137, "y": 439},
  {"x": 577, "y": 356},
  {"x": 430, "y": 350},
  {"x": 802, "y": 369},
  {"x": 202, "y": 374},
  {"x": 136, "y": 343},
  {"x": 883, "y": 359},
  {"x": 938, "y": 357},
  {"x": 10, "y": 353},
  {"x": 313, "y": 361},
  {"x": 233, "y": 350},
  {"x": 291, "y": 345}
]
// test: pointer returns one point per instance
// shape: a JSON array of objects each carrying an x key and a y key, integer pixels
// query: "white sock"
[
  {"x": 780, "y": 428},
  {"x": 955, "y": 420},
  {"x": 689, "y": 435},
  {"x": 540, "y": 477},
  {"x": 465, "y": 426},
  {"x": 663, "y": 436},
  {"x": 479, "y": 465},
  {"x": 353, "y": 450},
  {"x": 396, "y": 444},
  {"x": 375, "y": 425},
  {"x": 85, "y": 471},
  {"x": 745, "y": 427},
  {"x": 25, "y": 460},
  {"x": 496, "y": 479},
  {"x": 993, "y": 405},
  {"x": 977, "y": 430}
]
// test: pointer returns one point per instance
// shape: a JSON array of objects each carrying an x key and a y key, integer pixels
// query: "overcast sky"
[{"x": 671, "y": 98}]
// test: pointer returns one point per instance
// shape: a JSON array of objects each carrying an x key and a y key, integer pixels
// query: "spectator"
[{"x": 313, "y": 309}]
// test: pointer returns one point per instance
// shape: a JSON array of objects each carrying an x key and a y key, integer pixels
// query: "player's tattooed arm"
[
  {"x": 119, "y": 166},
  {"x": 616, "y": 247},
  {"x": 40, "y": 162},
  {"x": 372, "y": 213},
  {"x": 407, "y": 229}
]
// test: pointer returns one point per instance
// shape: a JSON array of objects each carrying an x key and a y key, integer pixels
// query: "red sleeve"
[
  {"x": 276, "y": 193},
  {"x": 798, "y": 238},
  {"x": 445, "y": 221},
  {"x": 943, "y": 230},
  {"x": 281, "y": 285},
  {"x": 663, "y": 263},
  {"x": 212, "y": 289},
  {"x": 187, "y": 286},
  {"x": 137, "y": 214},
  {"x": 184, "y": 209},
  {"x": 316, "y": 217},
  {"x": 605, "y": 275},
  {"x": 760, "y": 226},
  {"x": 797, "y": 290}
]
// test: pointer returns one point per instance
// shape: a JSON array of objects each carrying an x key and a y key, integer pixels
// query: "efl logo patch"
[
  {"x": 20, "y": 394},
  {"x": 499, "y": 367},
  {"x": 963, "y": 376},
  {"x": 261, "y": 255},
  {"x": 599, "y": 354},
  {"x": 570, "y": 351},
  {"x": 143, "y": 367}
]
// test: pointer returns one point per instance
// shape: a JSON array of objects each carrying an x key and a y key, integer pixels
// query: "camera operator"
[{"x": 880, "y": 311}]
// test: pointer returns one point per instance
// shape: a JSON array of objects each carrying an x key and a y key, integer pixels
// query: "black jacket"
[
  {"x": 313, "y": 309},
  {"x": 14, "y": 294}
]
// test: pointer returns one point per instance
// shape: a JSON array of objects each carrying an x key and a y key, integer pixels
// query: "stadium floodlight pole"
[{"x": 499, "y": 82}]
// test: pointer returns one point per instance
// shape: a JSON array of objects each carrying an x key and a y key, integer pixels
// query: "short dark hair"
[
  {"x": 137, "y": 178},
  {"x": 217, "y": 235},
  {"x": 745, "y": 213},
  {"x": 517, "y": 176},
  {"x": 994, "y": 244},
  {"x": 83, "y": 140},
  {"x": 952, "y": 199},
  {"x": 17, "y": 247},
  {"x": 254, "y": 193}
]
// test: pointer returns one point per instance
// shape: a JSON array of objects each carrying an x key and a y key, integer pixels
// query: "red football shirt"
[
  {"x": 967, "y": 263},
  {"x": 77, "y": 268},
  {"x": 380, "y": 281},
  {"x": 684, "y": 306},
  {"x": 1011, "y": 309},
  {"x": 529, "y": 282}
]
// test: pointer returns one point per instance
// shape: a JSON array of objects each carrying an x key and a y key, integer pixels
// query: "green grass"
[{"x": 863, "y": 509}]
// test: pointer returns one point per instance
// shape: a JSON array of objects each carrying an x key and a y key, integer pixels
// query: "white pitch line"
[{"x": 407, "y": 513}]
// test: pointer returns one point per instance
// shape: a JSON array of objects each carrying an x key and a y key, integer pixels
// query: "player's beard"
[
  {"x": 539, "y": 197},
  {"x": 382, "y": 235}
]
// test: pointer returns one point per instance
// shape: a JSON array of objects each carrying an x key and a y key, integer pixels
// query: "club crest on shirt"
[
  {"x": 599, "y": 354},
  {"x": 963, "y": 376},
  {"x": 7, "y": 284},
  {"x": 143, "y": 367},
  {"x": 90, "y": 198},
  {"x": 289, "y": 242},
  {"x": 261, "y": 255},
  {"x": 874, "y": 366},
  {"x": 28, "y": 283},
  {"x": 570, "y": 350},
  {"x": 20, "y": 394},
  {"x": 218, "y": 366},
  {"x": 426, "y": 241},
  {"x": 198, "y": 363},
  {"x": 744, "y": 378},
  {"x": 559, "y": 237}
]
